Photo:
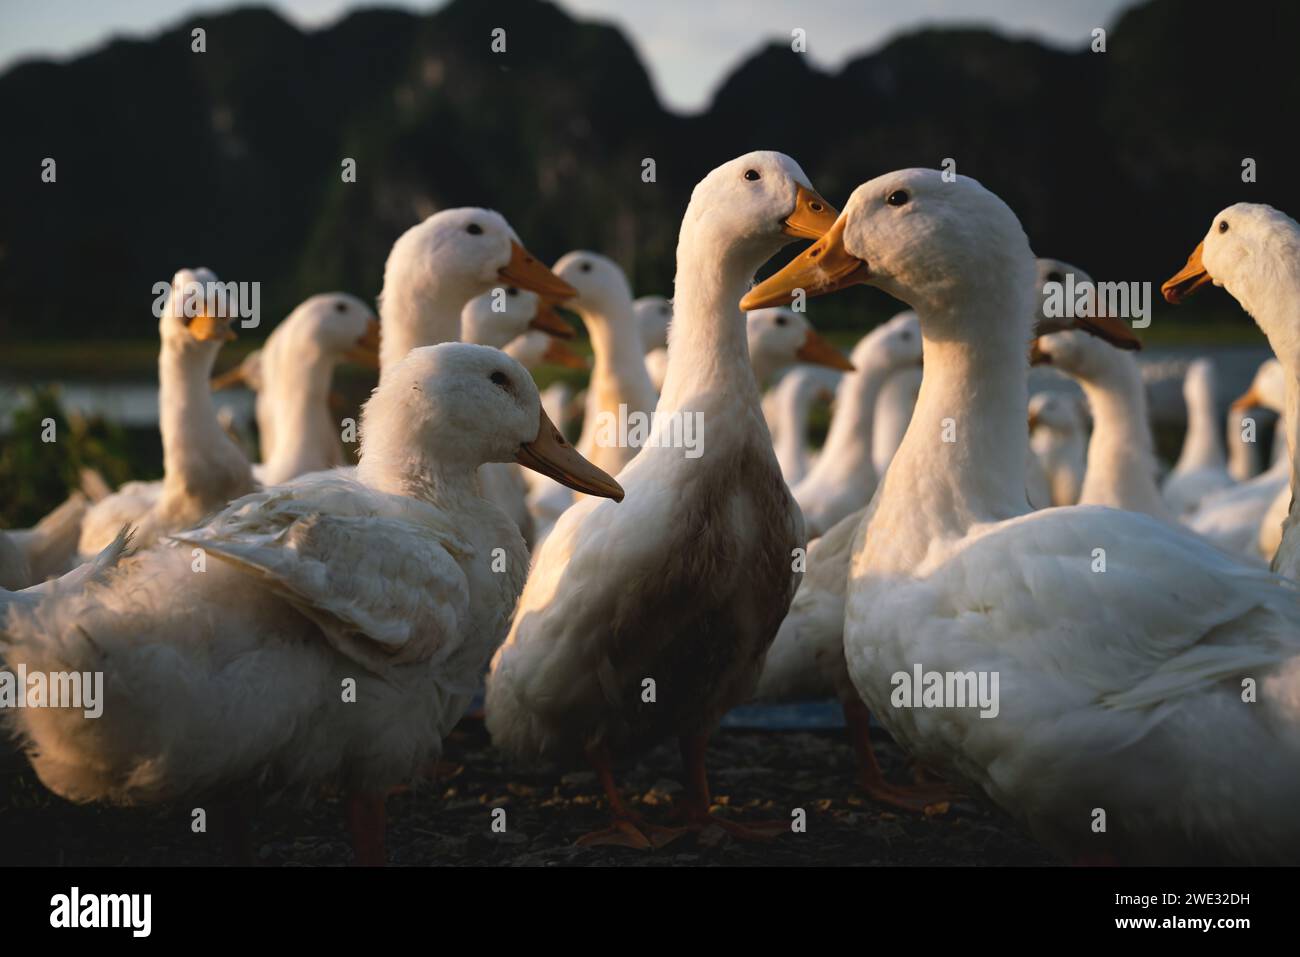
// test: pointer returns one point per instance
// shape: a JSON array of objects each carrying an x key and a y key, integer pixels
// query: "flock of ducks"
[{"x": 299, "y": 624}]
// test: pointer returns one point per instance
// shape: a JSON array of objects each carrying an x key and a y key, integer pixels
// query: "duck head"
[
  {"x": 1253, "y": 251},
  {"x": 193, "y": 319},
  {"x": 458, "y": 405},
  {"x": 503, "y": 313},
  {"x": 780, "y": 337},
  {"x": 653, "y": 314}
]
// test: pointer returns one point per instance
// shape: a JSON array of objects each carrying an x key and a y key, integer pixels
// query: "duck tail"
[{"x": 79, "y": 578}]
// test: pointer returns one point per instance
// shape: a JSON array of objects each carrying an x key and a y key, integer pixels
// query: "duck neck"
[
  {"x": 187, "y": 416},
  {"x": 708, "y": 345},
  {"x": 962, "y": 460},
  {"x": 1121, "y": 458},
  {"x": 1243, "y": 457},
  {"x": 618, "y": 375},
  {"x": 793, "y": 406},
  {"x": 852, "y": 432},
  {"x": 1201, "y": 448},
  {"x": 412, "y": 315},
  {"x": 402, "y": 469},
  {"x": 308, "y": 440}
]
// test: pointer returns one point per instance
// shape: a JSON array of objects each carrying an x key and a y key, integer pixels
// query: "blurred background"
[{"x": 1115, "y": 161}]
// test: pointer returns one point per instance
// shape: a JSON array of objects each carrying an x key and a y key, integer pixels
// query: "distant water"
[{"x": 132, "y": 404}]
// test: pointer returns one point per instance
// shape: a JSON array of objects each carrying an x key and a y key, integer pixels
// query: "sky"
[{"x": 688, "y": 45}]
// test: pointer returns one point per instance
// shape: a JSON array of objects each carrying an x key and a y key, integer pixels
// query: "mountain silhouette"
[{"x": 231, "y": 158}]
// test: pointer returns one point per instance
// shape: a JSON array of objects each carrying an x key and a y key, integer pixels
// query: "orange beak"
[
  {"x": 552, "y": 456},
  {"x": 366, "y": 351},
  {"x": 819, "y": 352},
  {"x": 1250, "y": 399},
  {"x": 1188, "y": 279},
  {"x": 823, "y": 267},
  {"x": 548, "y": 320},
  {"x": 206, "y": 328},
  {"x": 812, "y": 215},
  {"x": 527, "y": 272}
]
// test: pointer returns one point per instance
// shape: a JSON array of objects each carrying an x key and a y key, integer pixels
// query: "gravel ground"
[{"x": 756, "y": 775}]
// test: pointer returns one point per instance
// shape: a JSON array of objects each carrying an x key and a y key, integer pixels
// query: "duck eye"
[
  {"x": 501, "y": 379},
  {"x": 1223, "y": 225},
  {"x": 780, "y": 320},
  {"x": 511, "y": 291},
  {"x": 474, "y": 229},
  {"x": 905, "y": 336},
  {"x": 898, "y": 197},
  {"x": 340, "y": 306},
  {"x": 752, "y": 175},
  {"x": 584, "y": 267}
]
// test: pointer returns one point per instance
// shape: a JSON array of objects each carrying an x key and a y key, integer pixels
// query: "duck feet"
[{"x": 927, "y": 797}]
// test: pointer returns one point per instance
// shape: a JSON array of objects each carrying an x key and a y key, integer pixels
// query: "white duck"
[
  {"x": 787, "y": 407},
  {"x": 1058, "y": 436},
  {"x": 686, "y": 583},
  {"x": 1234, "y": 518},
  {"x": 1200, "y": 469},
  {"x": 505, "y": 313},
  {"x": 844, "y": 477},
  {"x": 497, "y": 319},
  {"x": 1243, "y": 455},
  {"x": 806, "y": 661},
  {"x": 293, "y": 375},
  {"x": 620, "y": 385},
  {"x": 653, "y": 316},
  {"x": 893, "y": 412},
  {"x": 437, "y": 266},
  {"x": 1253, "y": 251},
  {"x": 779, "y": 338},
  {"x": 49, "y": 548},
  {"x": 1121, "y": 469},
  {"x": 203, "y": 468},
  {"x": 1120, "y": 725},
  {"x": 340, "y": 626}
]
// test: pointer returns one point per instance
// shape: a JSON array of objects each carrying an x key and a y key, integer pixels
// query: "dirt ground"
[{"x": 756, "y": 775}]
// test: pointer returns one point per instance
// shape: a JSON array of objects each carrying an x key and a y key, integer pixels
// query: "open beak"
[
  {"x": 823, "y": 267},
  {"x": 559, "y": 354},
  {"x": 548, "y": 320},
  {"x": 812, "y": 215},
  {"x": 555, "y": 458},
  {"x": 228, "y": 379},
  {"x": 1037, "y": 357},
  {"x": 1033, "y": 422},
  {"x": 819, "y": 352},
  {"x": 1250, "y": 399},
  {"x": 366, "y": 350},
  {"x": 527, "y": 272},
  {"x": 1188, "y": 279},
  {"x": 206, "y": 328}
]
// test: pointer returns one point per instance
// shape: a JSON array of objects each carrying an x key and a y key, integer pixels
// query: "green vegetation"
[{"x": 36, "y": 475}]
